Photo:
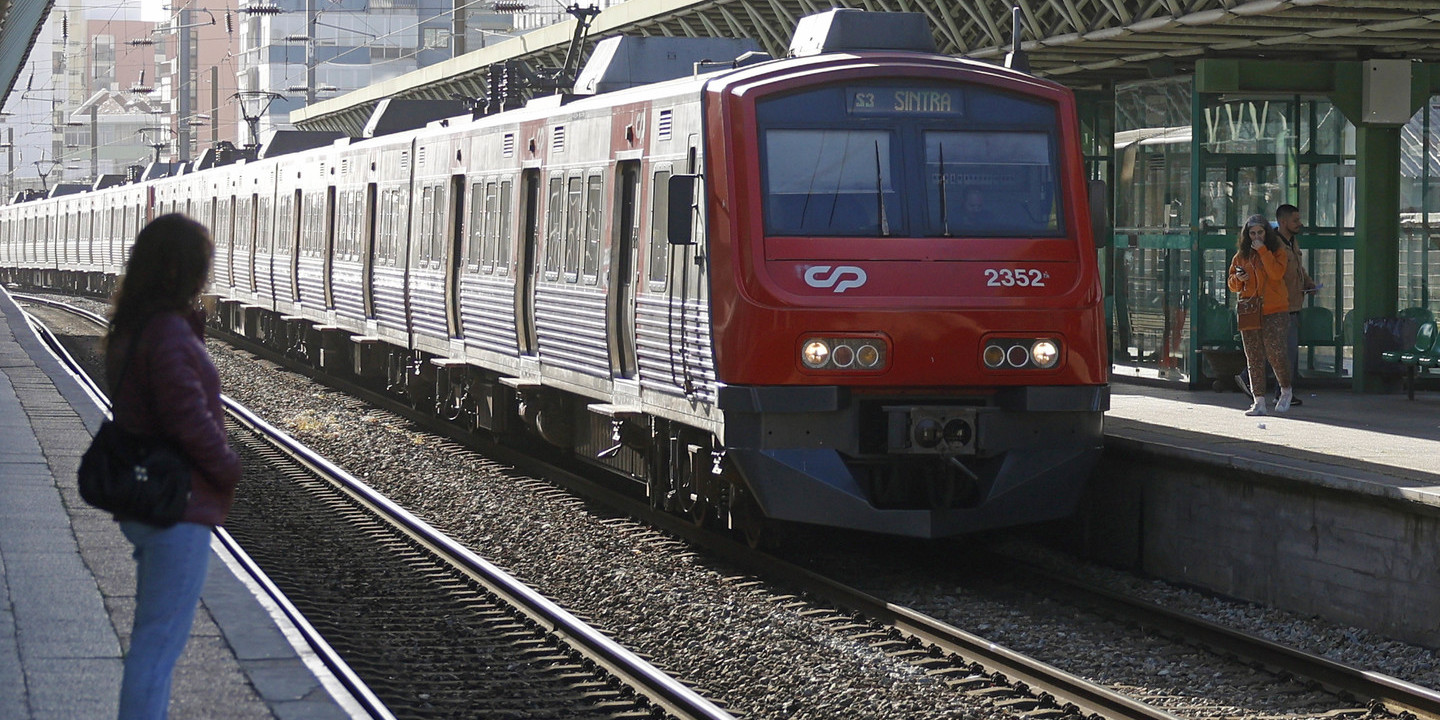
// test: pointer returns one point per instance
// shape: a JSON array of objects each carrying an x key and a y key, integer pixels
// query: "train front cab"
[{"x": 889, "y": 363}]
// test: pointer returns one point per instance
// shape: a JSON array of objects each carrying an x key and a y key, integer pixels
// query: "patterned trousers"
[{"x": 1270, "y": 342}]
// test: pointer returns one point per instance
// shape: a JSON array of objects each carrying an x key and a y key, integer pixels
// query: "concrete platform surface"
[{"x": 1378, "y": 444}]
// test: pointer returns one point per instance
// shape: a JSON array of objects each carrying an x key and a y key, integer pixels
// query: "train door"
[
  {"x": 367, "y": 250},
  {"x": 246, "y": 242},
  {"x": 527, "y": 266},
  {"x": 620, "y": 300},
  {"x": 223, "y": 228},
  {"x": 328, "y": 223},
  {"x": 287, "y": 241},
  {"x": 455, "y": 257}
]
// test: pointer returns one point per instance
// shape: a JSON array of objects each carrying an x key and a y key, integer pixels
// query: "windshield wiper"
[
  {"x": 944, "y": 201},
  {"x": 880, "y": 194}
]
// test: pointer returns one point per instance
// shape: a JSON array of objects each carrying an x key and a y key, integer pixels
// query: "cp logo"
[{"x": 842, "y": 278}]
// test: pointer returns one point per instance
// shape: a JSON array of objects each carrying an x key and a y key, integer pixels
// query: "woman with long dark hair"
[
  {"x": 1258, "y": 269},
  {"x": 165, "y": 386}
]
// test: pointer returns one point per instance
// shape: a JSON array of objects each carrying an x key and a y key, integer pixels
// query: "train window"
[
  {"x": 348, "y": 233},
  {"x": 502, "y": 245},
  {"x": 265, "y": 238},
  {"x": 359, "y": 218},
  {"x": 354, "y": 237},
  {"x": 342, "y": 227},
  {"x": 659, "y": 220},
  {"x": 398, "y": 252},
  {"x": 990, "y": 183},
  {"x": 491, "y": 219},
  {"x": 830, "y": 182},
  {"x": 385, "y": 235},
  {"x": 65, "y": 238},
  {"x": 594, "y": 207},
  {"x": 554, "y": 227},
  {"x": 284, "y": 224},
  {"x": 243, "y": 225},
  {"x": 472, "y": 245},
  {"x": 427, "y": 225},
  {"x": 436, "y": 236},
  {"x": 382, "y": 227},
  {"x": 88, "y": 230},
  {"x": 574, "y": 205},
  {"x": 392, "y": 249},
  {"x": 310, "y": 226}
]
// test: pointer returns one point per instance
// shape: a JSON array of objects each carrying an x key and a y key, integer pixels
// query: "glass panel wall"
[
  {"x": 1187, "y": 171},
  {"x": 1151, "y": 258},
  {"x": 1419, "y": 279},
  {"x": 1257, "y": 154}
]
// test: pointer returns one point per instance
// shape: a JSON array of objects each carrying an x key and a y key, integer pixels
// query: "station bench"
[{"x": 1422, "y": 356}]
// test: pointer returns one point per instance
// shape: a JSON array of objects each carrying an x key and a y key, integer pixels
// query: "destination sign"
[{"x": 904, "y": 101}]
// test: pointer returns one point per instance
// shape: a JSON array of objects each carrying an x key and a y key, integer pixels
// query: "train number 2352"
[{"x": 1015, "y": 277}]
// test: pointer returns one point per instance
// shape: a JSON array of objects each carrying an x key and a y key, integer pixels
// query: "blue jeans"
[{"x": 170, "y": 571}]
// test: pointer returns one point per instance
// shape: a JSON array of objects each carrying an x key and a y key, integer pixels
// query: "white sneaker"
[
  {"x": 1286, "y": 395},
  {"x": 1258, "y": 408}
]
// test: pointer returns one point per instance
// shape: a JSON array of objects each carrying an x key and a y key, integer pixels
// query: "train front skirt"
[{"x": 935, "y": 496}]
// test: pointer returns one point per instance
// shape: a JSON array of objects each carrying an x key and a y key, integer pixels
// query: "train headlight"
[
  {"x": 1045, "y": 353},
  {"x": 994, "y": 356},
  {"x": 838, "y": 353},
  {"x": 868, "y": 356},
  {"x": 815, "y": 354},
  {"x": 1017, "y": 355},
  {"x": 928, "y": 432},
  {"x": 1021, "y": 353}
]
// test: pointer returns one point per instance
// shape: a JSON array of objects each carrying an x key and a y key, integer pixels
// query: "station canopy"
[
  {"x": 20, "y": 22},
  {"x": 1083, "y": 44}
]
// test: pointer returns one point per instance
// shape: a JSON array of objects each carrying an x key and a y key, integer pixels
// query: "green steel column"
[{"x": 1377, "y": 234}]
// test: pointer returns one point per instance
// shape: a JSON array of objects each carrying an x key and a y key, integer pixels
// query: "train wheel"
[
  {"x": 656, "y": 491},
  {"x": 690, "y": 503},
  {"x": 747, "y": 520}
]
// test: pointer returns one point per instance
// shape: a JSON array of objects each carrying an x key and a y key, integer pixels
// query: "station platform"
[
  {"x": 67, "y": 580},
  {"x": 1379, "y": 445},
  {"x": 1329, "y": 510}
]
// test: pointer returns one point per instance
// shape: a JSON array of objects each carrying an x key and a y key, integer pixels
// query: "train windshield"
[
  {"x": 888, "y": 160},
  {"x": 989, "y": 183},
  {"x": 829, "y": 182}
]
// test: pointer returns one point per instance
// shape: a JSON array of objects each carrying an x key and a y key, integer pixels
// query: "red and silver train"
[{"x": 852, "y": 287}]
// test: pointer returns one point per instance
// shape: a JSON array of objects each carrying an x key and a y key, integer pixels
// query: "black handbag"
[{"x": 134, "y": 477}]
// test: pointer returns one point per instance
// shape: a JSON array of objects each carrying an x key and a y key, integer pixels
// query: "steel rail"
[
  {"x": 1091, "y": 698},
  {"x": 663, "y": 690},
  {"x": 1398, "y": 696}
]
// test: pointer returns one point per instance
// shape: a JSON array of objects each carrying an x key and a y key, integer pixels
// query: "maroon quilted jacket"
[{"x": 171, "y": 390}]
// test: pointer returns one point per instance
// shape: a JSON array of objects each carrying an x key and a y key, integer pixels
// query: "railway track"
[
  {"x": 1374, "y": 691},
  {"x": 972, "y": 665},
  {"x": 441, "y": 632}
]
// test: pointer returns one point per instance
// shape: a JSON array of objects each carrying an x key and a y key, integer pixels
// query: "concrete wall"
[{"x": 1358, "y": 559}]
